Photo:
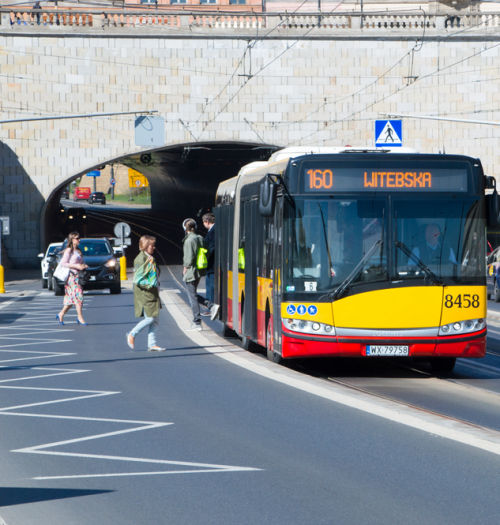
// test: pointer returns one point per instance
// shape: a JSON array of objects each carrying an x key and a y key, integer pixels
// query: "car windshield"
[
  {"x": 53, "y": 249},
  {"x": 94, "y": 247}
]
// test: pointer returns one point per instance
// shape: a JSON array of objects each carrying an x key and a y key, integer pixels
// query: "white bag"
[{"x": 61, "y": 273}]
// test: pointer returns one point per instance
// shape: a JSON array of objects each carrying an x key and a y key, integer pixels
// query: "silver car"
[{"x": 52, "y": 251}]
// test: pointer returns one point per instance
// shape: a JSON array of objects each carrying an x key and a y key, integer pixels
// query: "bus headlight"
[
  {"x": 462, "y": 327},
  {"x": 308, "y": 327}
]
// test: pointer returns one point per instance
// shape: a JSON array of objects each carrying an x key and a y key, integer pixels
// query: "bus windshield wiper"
[
  {"x": 339, "y": 291},
  {"x": 433, "y": 277}
]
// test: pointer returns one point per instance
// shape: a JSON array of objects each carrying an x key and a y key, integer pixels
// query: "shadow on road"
[{"x": 19, "y": 495}]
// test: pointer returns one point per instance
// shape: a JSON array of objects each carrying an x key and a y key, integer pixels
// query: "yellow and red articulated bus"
[{"x": 361, "y": 253}]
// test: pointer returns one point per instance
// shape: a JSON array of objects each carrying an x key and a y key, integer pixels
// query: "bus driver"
[{"x": 430, "y": 252}]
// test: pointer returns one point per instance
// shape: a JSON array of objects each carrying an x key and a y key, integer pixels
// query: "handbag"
[
  {"x": 83, "y": 277},
  {"x": 146, "y": 275},
  {"x": 61, "y": 273}
]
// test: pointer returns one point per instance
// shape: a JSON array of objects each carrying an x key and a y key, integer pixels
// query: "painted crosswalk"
[{"x": 31, "y": 335}]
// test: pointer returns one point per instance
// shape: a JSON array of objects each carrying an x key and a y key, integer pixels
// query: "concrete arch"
[{"x": 183, "y": 179}]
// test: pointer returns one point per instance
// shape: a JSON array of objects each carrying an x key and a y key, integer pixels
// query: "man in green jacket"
[{"x": 190, "y": 273}]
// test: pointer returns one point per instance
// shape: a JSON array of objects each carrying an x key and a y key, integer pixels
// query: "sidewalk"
[{"x": 16, "y": 281}]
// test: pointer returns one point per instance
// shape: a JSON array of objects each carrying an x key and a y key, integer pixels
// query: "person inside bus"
[{"x": 430, "y": 251}]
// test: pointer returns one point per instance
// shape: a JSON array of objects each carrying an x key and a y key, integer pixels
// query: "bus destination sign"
[{"x": 321, "y": 179}]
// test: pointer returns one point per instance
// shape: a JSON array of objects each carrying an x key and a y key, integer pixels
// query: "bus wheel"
[
  {"x": 228, "y": 332},
  {"x": 271, "y": 354},
  {"x": 442, "y": 365},
  {"x": 246, "y": 343}
]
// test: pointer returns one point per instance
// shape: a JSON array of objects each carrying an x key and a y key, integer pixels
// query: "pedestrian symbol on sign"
[{"x": 388, "y": 133}]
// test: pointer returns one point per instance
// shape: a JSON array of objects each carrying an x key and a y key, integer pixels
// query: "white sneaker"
[
  {"x": 193, "y": 327},
  {"x": 156, "y": 348},
  {"x": 214, "y": 311}
]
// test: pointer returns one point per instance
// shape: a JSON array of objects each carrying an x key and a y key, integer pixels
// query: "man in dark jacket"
[
  {"x": 209, "y": 243},
  {"x": 190, "y": 273}
]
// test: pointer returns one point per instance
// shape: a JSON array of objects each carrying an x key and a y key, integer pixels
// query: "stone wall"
[{"x": 296, "y": 90}]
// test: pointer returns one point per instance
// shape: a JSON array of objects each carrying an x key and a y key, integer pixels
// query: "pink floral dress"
[{"x": 73, "y": 293}]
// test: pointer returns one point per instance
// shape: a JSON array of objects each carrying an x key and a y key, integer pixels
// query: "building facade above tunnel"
[{"x": 323, "y": 85}]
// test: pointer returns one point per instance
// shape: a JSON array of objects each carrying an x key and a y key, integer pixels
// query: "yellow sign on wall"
[{"x": 137, "y": 179}]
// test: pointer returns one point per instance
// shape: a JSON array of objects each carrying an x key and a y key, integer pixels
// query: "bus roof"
[{"x": 299, "y": 151}]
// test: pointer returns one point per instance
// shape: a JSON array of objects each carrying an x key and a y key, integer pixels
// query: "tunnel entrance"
[{"x": 183, "y": 180}]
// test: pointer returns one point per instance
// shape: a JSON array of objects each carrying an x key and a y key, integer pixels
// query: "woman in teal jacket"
[{"x": 146, "y": 293}]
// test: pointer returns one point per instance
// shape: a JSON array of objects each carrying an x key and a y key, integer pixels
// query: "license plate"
[
  {"x": 92, "y": 278},
  {"x": 387, "y": 350}
]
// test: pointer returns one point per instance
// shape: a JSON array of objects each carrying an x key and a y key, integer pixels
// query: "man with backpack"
[
  {"x": 209, "y": 244},
  {"x": 191, "y": 273}
]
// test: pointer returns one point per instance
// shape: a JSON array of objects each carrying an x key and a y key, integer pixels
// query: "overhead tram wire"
[
  {"x": 436, "y": 72},
  {"x": 138, "y": 234},
  {"x": 399, "y": 89},
  {"x": 153, "y": 220},
  {"x": 265, "y": 66},
  {"x": 249, "y": 46},
  {"x": 112, "y": 219},
  {"x": 418, "y": 46}
]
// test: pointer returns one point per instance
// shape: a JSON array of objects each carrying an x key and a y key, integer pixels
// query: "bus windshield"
[
  {"x": 444, "y": 236},
  {"x": 328, "y": 238},
  {"x": 334, "y": 242}
]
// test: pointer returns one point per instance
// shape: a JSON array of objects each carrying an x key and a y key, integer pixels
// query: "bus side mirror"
[
  {"x": 267, "y": 197},
  {"x": 493, "y": 209}
]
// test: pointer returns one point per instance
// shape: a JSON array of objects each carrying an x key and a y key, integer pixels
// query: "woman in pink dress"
[{"x": 73, "y": 293}]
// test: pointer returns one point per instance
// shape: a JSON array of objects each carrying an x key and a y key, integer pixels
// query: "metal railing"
[{"x": 242, "y": 24}]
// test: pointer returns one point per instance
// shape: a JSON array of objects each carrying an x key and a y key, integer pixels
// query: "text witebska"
[{"x": 398, "y": 179}]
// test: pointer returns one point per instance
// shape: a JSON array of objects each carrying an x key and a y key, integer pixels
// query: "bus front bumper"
[{"x": 304, "y": 345}]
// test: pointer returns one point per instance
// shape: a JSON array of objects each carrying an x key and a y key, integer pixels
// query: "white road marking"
[
  {"x": 21, "y": 333},
  {"x": 459, "y": 431}
]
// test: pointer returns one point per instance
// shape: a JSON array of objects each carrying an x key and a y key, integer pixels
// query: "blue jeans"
[
  {"x": 209, "y": 285},
  {"x": 152, "y": 324}
]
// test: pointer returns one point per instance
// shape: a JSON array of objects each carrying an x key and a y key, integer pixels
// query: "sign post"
[
  {"x": 94, "y": 173},
  {"x": 4, "y": 230},
  {"x": 122, "y": 231}
]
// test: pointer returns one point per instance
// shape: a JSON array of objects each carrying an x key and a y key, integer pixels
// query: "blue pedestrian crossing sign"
[{"x": 388, "y": 133}]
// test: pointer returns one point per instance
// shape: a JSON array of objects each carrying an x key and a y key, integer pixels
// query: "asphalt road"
[{"x": 206, "y": 433}]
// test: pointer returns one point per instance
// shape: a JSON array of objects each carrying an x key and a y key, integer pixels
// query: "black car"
[
  {"x": 97, "y": 196},
  {"x": 103, "y": 267}
]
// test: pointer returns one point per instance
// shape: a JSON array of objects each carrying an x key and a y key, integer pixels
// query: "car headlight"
[
  {"x": 462, "y": 327},
  {"x": 111, "y": 263},
  {"x": 309, "y": 327}
]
